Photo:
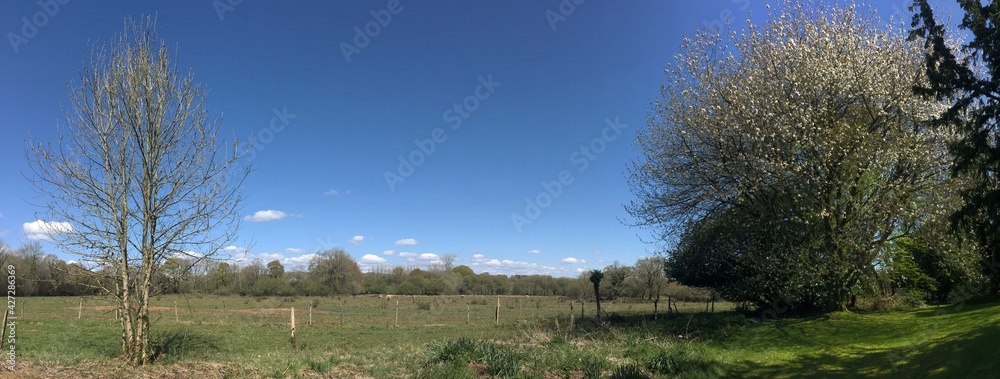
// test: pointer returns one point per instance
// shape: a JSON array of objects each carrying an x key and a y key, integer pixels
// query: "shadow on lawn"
[
  {"x": 967, "y": 355},
  {"x": 969, "y": 351},
  {"x": 172, "y": 346}
]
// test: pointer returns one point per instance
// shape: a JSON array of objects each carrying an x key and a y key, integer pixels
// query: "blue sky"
[{"x": 514, "y": 107}]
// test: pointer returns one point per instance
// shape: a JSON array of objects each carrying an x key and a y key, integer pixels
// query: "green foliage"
[
  {"x": 629, "y": 371},
  {"x": 967, "y": 77},
  {"x": 336, "y": 270},
  {"x": 499, "y": 360}
]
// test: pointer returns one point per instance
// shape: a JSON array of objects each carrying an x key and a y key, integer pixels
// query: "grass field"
[{"x": 445, "y": 337}]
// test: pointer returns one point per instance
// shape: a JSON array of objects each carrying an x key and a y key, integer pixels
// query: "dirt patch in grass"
[
  {"x": 109, "y": 308},
  {"x": 114, "y": 369}
]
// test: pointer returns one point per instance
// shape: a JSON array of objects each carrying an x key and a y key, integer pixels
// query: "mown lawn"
[{"x": 456, "y": 337}]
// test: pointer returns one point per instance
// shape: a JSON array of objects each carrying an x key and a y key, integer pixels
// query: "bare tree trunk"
[{"x": 156, "y": 184}]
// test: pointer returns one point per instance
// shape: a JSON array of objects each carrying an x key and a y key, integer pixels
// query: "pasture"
[
  {"x": 451, "y": 336},
  {"x": 248, "y": 336}
]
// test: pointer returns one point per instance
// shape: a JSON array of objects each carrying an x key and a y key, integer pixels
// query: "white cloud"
[
  {"x": 1, "y": 214},
  {"x": 429, "y": 257},
  {"x": 297, "y": 263},
  {"x": 407, "y": 254},
  {"x": 388, "y": 252},
  {"x": 534, "y": 251},
  {"x": 41, "y": 230},
  {"x": 480, "y": 263},
  {"x": 267, "y": 257},
  {"x": 572, "y": 260},
  {"x": 234, "y": 249},
  {"x": 357, "y": 240},
  {"x": 295, "y": 250},
  {"x": 371, "y": 259},
  {"x": 406, "y": 242},
  {"x": 334, "y": 192},
  {"x": 268, "y": 215}
]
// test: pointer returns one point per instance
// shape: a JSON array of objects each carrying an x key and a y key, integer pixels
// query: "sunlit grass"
[{"x": 456, "y": 337}]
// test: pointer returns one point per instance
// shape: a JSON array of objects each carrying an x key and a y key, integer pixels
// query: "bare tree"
[
  {"x": 649, "y": 271},
  {"x": 138, "y": 174},
  {"x": 448, "y": 261}
]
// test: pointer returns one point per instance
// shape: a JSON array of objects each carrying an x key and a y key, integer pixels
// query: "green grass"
[{"x": 250, "y": 338}]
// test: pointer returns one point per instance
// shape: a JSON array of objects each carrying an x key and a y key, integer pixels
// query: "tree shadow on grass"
[
  {"x": 174, "y": 345},
  {"x": 969, "y": 354},
  {"x": 965, "y": 346}
]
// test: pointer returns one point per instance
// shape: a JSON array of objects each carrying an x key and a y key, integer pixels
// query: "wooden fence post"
[
  {"x": 79, "y": 312},
  {"x": 397, "y": 313},
  {"x": 341, "y": 313},
  {"x": 468, "y": 314},
  {"x": 3, "y": 328},
  {"x": 225, "y": 311},
  {"x": 293, "y": 328},
  {"x": 496, "y": 321},
  {"x": 310, "y": 314}
]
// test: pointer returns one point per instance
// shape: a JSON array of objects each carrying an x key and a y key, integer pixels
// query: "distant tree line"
[{"x": 335, "y": 272}]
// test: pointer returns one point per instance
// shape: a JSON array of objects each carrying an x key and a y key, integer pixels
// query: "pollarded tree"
[
  {"x": 808, "y": 122},
  {"x": 138, "y": 175},
  {"x": 595, "y": 278}
]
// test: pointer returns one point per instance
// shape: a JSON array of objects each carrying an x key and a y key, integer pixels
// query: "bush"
[
  {"x": 498, "y": 360},
  {"x": 629, "y": 371}
]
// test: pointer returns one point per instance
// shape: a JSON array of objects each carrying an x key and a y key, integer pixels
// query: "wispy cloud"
[
  {"x": 334, "y": 192},
  {"x": 268, "y": 215},
  {"x": 42, "y": 230},
  {"x": 406, "y": 242},
  {"x": 388, "y": 252},
  {"x": 295, "y": 250},
  {"x": 357, "y": 240},
  {"x": 407, "y": 254},
  {"x": 534, "y": 251},
  {"x": 572, "y": 260}
]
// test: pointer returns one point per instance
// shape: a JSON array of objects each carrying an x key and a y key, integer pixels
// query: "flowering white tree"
[{"x": 807, "y": 124}]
